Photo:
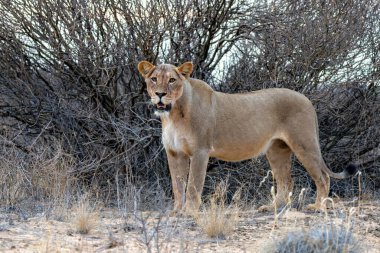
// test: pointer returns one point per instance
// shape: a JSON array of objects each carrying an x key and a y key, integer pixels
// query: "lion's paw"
[
  {"x": 315, "y": 208},
  {"x": 266, "y": 208},
  {"x": 174, "y": 213}
]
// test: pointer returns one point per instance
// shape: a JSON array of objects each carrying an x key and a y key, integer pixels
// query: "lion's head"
[{"x": 165, "y": 83}]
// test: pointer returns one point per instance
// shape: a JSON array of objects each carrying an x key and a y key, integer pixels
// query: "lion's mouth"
[{"x": 162, "y": 107}]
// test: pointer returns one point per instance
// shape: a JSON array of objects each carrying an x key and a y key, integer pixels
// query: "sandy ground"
[{"x": 151, "y": 232}]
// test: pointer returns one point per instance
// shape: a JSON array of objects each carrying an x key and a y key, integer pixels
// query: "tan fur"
[{"x": 204, "y": 123}]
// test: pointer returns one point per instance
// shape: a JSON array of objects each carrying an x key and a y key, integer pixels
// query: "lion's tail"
[{"x": 349, "y": 171}]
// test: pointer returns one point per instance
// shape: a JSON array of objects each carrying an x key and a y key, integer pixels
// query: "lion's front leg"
[
  {"x": 179, "y": 165},
  {"x": 197, "y": 175}
]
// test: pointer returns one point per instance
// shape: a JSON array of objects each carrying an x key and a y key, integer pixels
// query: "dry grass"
[
  {"x": 217, "y": 219},
  {"x": 43, "y": 176},
  {"x": 50, "y": 176},
  {"x": 86, "y": 218}
]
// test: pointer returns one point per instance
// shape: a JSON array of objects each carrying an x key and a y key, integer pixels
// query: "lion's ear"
[
  {"x": 186, "y": 69},
  {"x": 145, "y": 68}
]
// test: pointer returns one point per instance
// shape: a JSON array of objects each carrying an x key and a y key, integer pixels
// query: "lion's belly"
[
  {"x": 240, "y": 151},
  {"x": 234, "y": 157}
]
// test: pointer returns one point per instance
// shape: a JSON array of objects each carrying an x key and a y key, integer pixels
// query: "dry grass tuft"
[
  {"x": 217, "y": 219},
  {"x": 86, "y": 218}
]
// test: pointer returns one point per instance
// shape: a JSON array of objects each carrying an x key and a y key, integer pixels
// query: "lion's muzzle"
[
  {"x": 161, "y": 107},
  {"x": 161, "y": 103}
]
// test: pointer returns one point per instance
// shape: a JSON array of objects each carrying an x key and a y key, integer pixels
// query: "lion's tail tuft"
[
  {"x": 348, "y": 172},
  {"x": 351, "y": 170}
]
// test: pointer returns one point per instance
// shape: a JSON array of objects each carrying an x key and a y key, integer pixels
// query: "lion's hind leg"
[
  {"x": 309, "y": 154},
  {"x": 279, "y": 157}
]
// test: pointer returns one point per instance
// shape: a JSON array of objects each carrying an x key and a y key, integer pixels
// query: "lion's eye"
[
  {"x": 154, "y": 79},
  {"x": 172, "y": 80}
]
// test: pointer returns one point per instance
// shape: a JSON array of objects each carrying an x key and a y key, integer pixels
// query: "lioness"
[{"x": 198, "y": 123}]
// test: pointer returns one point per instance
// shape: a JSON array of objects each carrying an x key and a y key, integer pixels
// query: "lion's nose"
[{"x": 160, "y": 94}]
